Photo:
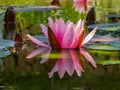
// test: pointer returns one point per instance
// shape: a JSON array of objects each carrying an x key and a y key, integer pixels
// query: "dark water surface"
[{"x": 30, "y": 67}]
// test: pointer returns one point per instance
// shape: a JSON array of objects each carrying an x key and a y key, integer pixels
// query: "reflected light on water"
[{"x": 63, "y": 61}]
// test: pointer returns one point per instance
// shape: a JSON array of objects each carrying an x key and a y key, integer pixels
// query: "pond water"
[{"x": 28, "y": 66}]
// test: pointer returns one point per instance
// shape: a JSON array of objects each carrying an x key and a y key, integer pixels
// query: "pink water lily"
[
  {"x": 82, "y": 5},
  {"x": 63, "y": 34}
]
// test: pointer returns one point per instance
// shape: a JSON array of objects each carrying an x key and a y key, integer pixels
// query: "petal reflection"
[
  {"x": 88, "y": 57},
  {"x": 70, "y": 61},
  {"x": 63, "y": 60},
  {"x": 37, "y": 51}
]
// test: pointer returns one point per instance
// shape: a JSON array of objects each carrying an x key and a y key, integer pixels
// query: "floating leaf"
[
  {"x": 6, "y": 44},
  {"x": 42, "y": 38},
  {"x": 102, "y": 47},
  {"x": 116, "y": 44},
  {"x": 105, "y": 38},
  {"x": 106, "y": 27},
  {"x": 4, "y": 53}
]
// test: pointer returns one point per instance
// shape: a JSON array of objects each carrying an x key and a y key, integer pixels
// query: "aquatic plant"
[
  {"x": 55, "y": 3},
  {"x": 63, "y": 34},
  {"x": 81, "y": 5}
]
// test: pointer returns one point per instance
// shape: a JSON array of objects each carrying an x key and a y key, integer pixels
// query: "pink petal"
[
  {"x": 68, "y": 36},
  {"x": 60, "y": 28},
  {"x": 44, "y": 30},
  {"x": 77, "y": 34},
  {"x": 89, "y": 36},
  {"x": 51, "y": 25},
  {"x": 38, "y": 42}
]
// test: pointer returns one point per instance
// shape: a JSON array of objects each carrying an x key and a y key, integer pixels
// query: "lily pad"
[
  {"x": 103, "y": 46},
  {"x": 4, "y": 53},
  {"x": 109, "y": 62},
  {"x": 42, "y": 38},
  {"x": 107, "y": 26},
  {"x": 6, "y": 44},
  {"x": 105, "y": 38},
  {"x": 113, "y": 15},
  {"x": 116, "y": 44}
]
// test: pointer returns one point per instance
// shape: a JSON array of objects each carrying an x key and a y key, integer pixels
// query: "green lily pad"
[
  {"x": 116, "y": 44},
  {"x": 109, "y": 62},
  {"x": 113, "y": 15},
  {"x": 102, "y": 47},
  {"x": 6, "y": 44},
  {"x": 107, "y": 26},
  {"x": 4, "y": 53},
  {"x": 112, "y": 28}
]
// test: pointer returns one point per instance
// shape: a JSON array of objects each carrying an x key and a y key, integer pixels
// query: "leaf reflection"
[{"x": 64, "y": 61}]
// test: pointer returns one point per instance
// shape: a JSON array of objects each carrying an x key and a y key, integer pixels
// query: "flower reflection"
[
  {"x": 64, "y": 61},
  {"x": 81, "y": 5}
]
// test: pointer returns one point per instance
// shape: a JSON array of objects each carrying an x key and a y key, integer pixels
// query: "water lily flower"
[
  {"x": 81, "y": 5},
  {"x": 63, "y": 34}
]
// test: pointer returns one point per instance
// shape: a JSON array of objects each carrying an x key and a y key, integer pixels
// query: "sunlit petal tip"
[
  {"x": 49, "y": 18},
  {"x": 44, "y": 29},
  {"x": 79, "y": 23},
  {"x": 51, "y": 23},
  {"x": 89, "y": 36},
  {"x": 43, "y": 26}
]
